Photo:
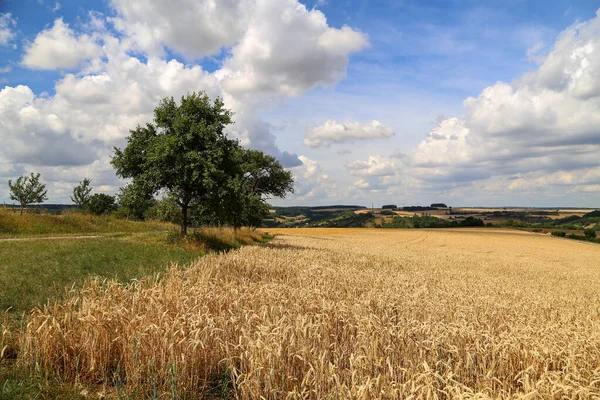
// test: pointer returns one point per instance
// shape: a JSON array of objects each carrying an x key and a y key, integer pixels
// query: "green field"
[
  {"x": 33, "y": 271},
  {"x": 44, "y": 256}
]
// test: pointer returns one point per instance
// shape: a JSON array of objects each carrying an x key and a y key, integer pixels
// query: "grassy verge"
[
  {"x": 13, "y": 224},
  {"x": 34, "y": 272},
  {"x": 37, "y": 270}
]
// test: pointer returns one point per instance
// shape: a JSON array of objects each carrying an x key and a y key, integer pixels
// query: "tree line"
[{"x": 182, "y": 168}]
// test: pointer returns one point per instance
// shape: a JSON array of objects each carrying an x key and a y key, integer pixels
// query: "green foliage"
[
  {"x": 387, "y": 212},
  {"x": 590, "y": 233},
  {"x": 134, "y": 201},
  {"x": 165, "y": 210},
  {"x": 101, "y": 204},
  {"x": 181, "y": 152},
  {"x": 211, "y": 178},
  {"x": 559, "y": 233},
  {"x": 28, "y": 190},
  {"x": 515, "y": 224},
  {"x": 471, "y": 221},
  {"x": 82, "y": 193},
  {"x": 248, "y": 181}
]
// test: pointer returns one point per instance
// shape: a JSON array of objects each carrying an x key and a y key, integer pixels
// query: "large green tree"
[
  {"x": 28, "y": 190},
  {"x": 180, "y": 152}
]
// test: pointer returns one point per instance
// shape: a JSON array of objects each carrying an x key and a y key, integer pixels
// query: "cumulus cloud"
[
  {"x": 7, "y": 24},
  {"x": 287, "y": 50},
  {"x": 311, "y": 183},
  {"x": 32, "y": 134},
  {"x": 189, "y": 27},
  {"x": 374, "y": 166},
  {"x": 113, "y": 87},
  {"x": 60, "y": 47},
  {"x": 334, "y": 132},
  {"x": 545, "y": 123}
]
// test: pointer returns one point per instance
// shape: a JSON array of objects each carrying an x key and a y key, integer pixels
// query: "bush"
[
  {"x": 387, "y": 212},
  {"x": 559, "y": 233},
  {"x": 590, "y": 233},
  {"x": 471, "y": 221},
  {"x": 101, "y": 203}
]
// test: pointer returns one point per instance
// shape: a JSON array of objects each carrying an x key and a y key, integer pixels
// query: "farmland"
[
  {"x": 338, "y": 313},
  {"x": 569, "y": 219}
]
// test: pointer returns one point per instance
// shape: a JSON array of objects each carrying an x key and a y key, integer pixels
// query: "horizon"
[{"x": 385, "y": 101}]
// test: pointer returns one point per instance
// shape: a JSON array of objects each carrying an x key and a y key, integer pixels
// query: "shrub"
[
  {"x": 101, "y": 203},
  {"x": 590, "y": 233},
  {"x": 559, "y": 233},
  {"x": 387, "y": 212},
  {"x": 472, "y": 221}
]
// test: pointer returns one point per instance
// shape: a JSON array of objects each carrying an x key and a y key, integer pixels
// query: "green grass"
[
  {"x": 70, "y": 223},
  {"x": 34, "y": 271}
]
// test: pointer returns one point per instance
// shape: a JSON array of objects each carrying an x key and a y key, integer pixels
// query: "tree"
[
  {"x": 101, "y": 203},
  {"x": 134, "y": 201},
  {"x": 82, "y": 193},
  {"x": 28, "y": 190},
  {"x": 255, "y": 177},
  {"x": 180, "y": 152}
]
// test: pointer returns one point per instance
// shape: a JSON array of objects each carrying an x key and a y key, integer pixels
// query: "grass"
[
  {"x": 339, "y": 313},
  {"x": 70, "y": 223},
  {"x": 37, "y": 272}
]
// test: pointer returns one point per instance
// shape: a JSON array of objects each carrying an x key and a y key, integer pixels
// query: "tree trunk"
[
  {"x": 184, "y": 219},
  {"x": 21, "y": 209}
]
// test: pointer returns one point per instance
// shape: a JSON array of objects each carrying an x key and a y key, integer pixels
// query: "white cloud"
[
  {"x": 60, "y": 47},
  {"x": 311, "y": 183},
  {"x": 542, "y": 125},
  {"x": 190, "y": 27},
  {"x": 7, "y": 34},
  {"x": 112, "y": 88},
  {"x": 282, "y": 52},
  {"x": 334, "y": 132},
  {"x": 374, "y": 166}
]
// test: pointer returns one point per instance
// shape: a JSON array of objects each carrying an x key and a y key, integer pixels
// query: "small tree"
[
  {"x": 134, "y": 201},
  {"x": 82, "y": 193},
  {"x": 256, "y": 178},
  {"x": 101, "y": 203},
  {"x": 28, "y": 190}
]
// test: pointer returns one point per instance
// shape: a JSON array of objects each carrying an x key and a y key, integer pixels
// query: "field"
[
  {"x": 355, "y": 217},
  {"x": 338, "y": 313}
]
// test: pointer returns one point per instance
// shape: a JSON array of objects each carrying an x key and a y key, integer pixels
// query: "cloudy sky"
[{"x": 384, "y": 101}]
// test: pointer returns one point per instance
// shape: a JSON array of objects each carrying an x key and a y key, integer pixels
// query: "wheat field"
[{"x": 340, "y": 314}]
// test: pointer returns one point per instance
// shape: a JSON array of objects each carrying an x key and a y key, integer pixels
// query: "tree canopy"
[
  {"x": 186, "y": 154},
  {"x": 82, "y": 193},
  {"x": 28, "y": 190}
]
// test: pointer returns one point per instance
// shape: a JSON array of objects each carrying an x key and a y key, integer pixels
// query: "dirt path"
[{"x": 24, "y": 239}]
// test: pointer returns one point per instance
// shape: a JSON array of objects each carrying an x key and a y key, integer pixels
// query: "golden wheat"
[{"x": 331, "y": 314}]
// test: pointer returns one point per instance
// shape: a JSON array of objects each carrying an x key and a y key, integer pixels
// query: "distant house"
[
  {"x": 389, "y": 207},
  {"x": 439, "y": 205}
]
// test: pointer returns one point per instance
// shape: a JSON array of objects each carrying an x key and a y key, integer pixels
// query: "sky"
[{"x": 401, "y": 102}]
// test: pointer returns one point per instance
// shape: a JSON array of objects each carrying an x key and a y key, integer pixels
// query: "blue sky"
[{"x": 366, "y": 101}]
